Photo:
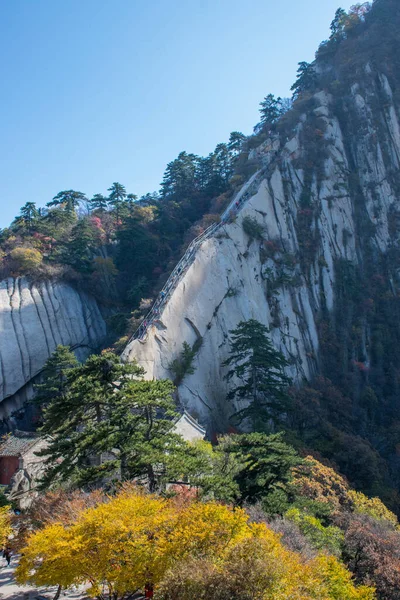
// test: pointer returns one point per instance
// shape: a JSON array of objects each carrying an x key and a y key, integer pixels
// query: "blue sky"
[{"x": 96, "y": 91}]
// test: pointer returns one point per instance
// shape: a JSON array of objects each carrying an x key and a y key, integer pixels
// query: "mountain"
[
  {"x": 311, "y": 249},
  {"x": 307, "y": 244},
  {"x": 34, "y": 318}
]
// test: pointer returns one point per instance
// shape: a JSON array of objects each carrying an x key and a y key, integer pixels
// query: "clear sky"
[{"x": 96, "y": 91}]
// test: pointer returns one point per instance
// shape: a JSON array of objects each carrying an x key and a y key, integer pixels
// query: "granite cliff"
[
  {"x": 34, "y": 319},
  {"x": 326, "y": 198}
]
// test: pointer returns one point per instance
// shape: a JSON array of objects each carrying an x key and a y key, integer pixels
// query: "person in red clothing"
[{"x": 148, "y": 590}]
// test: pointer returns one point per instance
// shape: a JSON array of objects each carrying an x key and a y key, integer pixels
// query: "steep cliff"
[
  {"x": 34, "y": 319},
  {"x": 326, "y": 195}
]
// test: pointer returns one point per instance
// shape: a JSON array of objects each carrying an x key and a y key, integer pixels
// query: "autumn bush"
[
  {"x": 5, "y": 524},
  {"x": 258, "y": 567},
  {"x": 320, "y": 483},
  {"x": 25, "y": 260},
  {"x": 186, "y": 549},
  {"x": 120, "y": 544},
  {"x": 329, "y": 538},
  {"x": 372, "y": 507},
  {"x": 59, "y": 506},
  {"x": 372, "y": 552}
]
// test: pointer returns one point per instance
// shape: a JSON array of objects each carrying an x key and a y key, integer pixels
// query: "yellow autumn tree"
[
  {"x": 5, "y": 524},
  {"x": 373, "y": 507},
  {"x": 120, "y": 545},
  {"x": 258, "y": 567},
  {"x": 318, "y": 482},
  {"x": 25, "y": 259},
  {"x": 132, "y": 539}
]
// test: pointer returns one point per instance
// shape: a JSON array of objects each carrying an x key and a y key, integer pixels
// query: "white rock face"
[
  {"x": 34, "y": 319},
  {"x": 234, "y": 278}
]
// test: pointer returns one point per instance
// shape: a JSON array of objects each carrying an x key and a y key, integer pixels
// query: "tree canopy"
[
  {"x": 257, "y": 371},
  {"x": 104, "y": 421}
]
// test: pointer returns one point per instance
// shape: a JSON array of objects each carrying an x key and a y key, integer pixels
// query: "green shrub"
[
  {"x": 252, "y": 228},
  {"x": 183, "y": 365},
  {"x": 320, "y": 537}
]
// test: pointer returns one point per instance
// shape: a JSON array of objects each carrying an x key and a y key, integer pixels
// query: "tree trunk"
[{"x": 58, "y": 593}]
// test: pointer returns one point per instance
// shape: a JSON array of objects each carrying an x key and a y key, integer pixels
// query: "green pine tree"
[
  {"x": 338, "y": 24},
  {"x": 270, "y": 109},
  {"x": 306, "y": 79},
  {"x": 98, "y": 202},
  {"x": 29, "y": 216},
  {"x": 80, "y": 248},
  {"x": 266, "y": 462},
  {"x": 258, "y": 369},
  {"x": 236, "y": 142},
  {"x": 70, "y": 199},
  {"x": 117, "y": 198},
  {"x": 54, "y": 376},
  {"x": 108, "y": 408}
]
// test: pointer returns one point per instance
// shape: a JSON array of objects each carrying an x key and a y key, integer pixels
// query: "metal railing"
[{"x": 153, "y": 315}]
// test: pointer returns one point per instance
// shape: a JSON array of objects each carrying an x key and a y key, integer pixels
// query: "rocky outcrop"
[
  {"x": 325, "y": 194},
  {"x": 34, "y": 319}
]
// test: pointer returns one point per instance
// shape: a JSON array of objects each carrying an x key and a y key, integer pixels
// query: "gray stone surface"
[
  {"x": 229, "y": 280},
  {"x": 34, "y": 319}
]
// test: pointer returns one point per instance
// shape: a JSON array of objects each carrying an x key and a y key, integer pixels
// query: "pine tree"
[
  {"x": 79, "y": 250},
  {"x": 29, "y": 215},
  {"x": 70, "y": 199},
  {"x": 266, "y": 463},
  {"x": 98, "y": 202},
  {"x": 338, "y": 24},
  {"x": 108, "y": 408},
  {"x": 117, "y": 197},
  {"x": 236, "y": 142},
  {"x": 180, "y": 176},
  {"x": 259, "y": 367},
  {"x": 306, "y": 79},
  {"x": 271, "y": 109},
  {"x": 54, "y": 376}
]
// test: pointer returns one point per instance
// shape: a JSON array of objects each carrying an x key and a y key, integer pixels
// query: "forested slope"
[{"x": 313, "y": 253}]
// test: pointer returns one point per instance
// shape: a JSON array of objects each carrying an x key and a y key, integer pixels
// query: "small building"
[
  {"x": 189, "y": 428},
  {"x": 20, "y": 468}
]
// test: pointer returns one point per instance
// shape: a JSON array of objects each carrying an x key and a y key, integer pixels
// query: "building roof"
[
  {"x": 189, "y": 428},
  {"x": 17, "y": 443}
]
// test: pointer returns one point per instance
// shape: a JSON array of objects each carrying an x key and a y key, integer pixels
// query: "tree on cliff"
[
  {"x": 117, "y": 197},
  {"x": 306, "y": 79},
  {"x": 99, "y": 203},
  {"x": 263, "y": 464},
  {"x": 270, "y": 109},
  {"x": 70, "y": 199},
  {"x": 109, "y": 422},
  {"x": 257, "y": 369},
  {"x": 28, "y": 217}
]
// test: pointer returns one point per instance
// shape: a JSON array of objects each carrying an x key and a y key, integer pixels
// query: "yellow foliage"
[
  {"x": 337, "y": 580},
  {"x": 126, "y": 541},
  {"x": 135, "y": 538},
  {"x": 5, "y": 524},
  {"x": 320, "y": 483},
  {"x": 26, "y": 259},
  {"x": 260, "y": 568},
  {"x": 373, "y": 507}
]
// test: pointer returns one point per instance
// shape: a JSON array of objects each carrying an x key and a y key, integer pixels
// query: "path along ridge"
[{"x": 180, "y": 269}]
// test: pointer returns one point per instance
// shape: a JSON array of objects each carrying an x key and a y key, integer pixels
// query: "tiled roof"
[{"x": 17, "y": 443}]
